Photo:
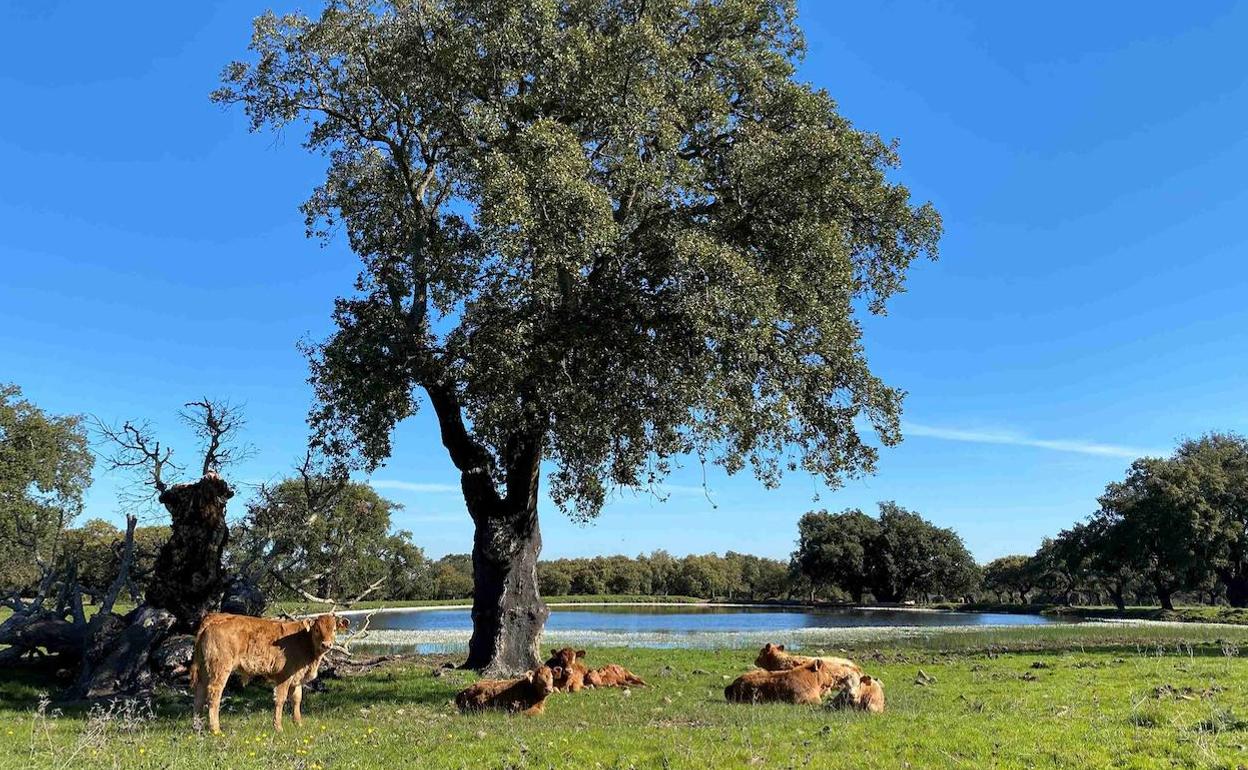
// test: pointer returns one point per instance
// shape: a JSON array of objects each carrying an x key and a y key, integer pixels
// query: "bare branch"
[
  {"x": 136, "y": 450},
  {"x": 311, "y": 597},
  {"x": 217, "y": 424}
]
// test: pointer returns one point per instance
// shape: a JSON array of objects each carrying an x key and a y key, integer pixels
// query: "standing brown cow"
[{"x": 286, "y": 653}]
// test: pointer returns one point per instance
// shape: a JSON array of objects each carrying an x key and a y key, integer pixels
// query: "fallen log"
[{"x": 43, "y": 631}]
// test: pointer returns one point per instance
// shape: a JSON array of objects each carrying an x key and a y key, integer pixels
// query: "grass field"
[{"x": 1156, "y": 696}]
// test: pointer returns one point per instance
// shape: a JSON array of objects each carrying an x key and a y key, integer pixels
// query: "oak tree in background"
[
  {"x": 1217, "y": 493},
  {"x": 896, "y": 557},
  {"x": 912, "y": 558},
  {"x": 45, "y": 467},
  {"x": 318, "y": 539},
  {"x": 832, "y": 550},
  {"x": 1010, "y": 576},
  {"x": 1182, "y": 520},
  {"x": 1155, "y": 531},
  {"x": 599, "y": 235}
]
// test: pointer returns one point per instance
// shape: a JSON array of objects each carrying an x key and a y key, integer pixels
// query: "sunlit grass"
[{"x": 1044, "y": 697}]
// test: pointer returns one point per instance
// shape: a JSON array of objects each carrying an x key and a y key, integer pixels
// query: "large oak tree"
[{"x": 596, "y": 236}]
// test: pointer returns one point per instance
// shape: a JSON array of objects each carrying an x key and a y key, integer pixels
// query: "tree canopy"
[
  {"x": 617, "y": 231},
  {"x": 45, "y": 466},
  {"x": 895, "y": 557},
  {"x": 312, "y": 536}
]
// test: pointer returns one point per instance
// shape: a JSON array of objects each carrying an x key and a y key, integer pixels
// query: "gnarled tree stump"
[{"x": 188, "y": 579}]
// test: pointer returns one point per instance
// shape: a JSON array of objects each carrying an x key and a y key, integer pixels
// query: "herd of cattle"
[{"x": 288, "y": 654}]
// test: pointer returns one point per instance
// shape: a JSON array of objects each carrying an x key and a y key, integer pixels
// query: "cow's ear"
[
  {"x": 529, "y": 676},
  {"x": 343, "y": 624},
  {"x": 866, "y": 679},
  {"x": 554, "y": 653},
  {"x": 307, "y": 625},
  {"x": 580, "y": 653},
  {"x": 780, "y": 647},
  {"x": 557, "y": 671},
  {"x": 818, "y": 664}
]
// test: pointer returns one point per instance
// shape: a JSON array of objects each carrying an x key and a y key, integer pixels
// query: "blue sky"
[{"x": 1088, "y": 306}]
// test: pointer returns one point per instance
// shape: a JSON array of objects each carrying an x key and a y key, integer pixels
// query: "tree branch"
[{"x": 123, "y": 570}]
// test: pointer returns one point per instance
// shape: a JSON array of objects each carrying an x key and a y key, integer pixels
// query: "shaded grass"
[{"x": 1078, "y": 697}]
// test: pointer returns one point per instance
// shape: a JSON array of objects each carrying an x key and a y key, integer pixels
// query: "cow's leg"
[
  {"x": 296, "y": 700},
  {"x": 201, "y": 690},
  {"x": 279, "y": 703},
  {"x": 216, "y": 686}
]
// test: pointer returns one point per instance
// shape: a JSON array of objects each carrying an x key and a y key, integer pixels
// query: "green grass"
[{"x": 1126, "y": 697}]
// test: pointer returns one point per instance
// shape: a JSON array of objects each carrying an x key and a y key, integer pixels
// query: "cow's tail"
[{"x": 197, "y": 657}]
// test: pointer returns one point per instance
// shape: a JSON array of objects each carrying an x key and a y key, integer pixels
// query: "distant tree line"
[{"x": 731, "y": 576}]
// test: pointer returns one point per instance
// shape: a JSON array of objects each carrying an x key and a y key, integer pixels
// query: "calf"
[
  {"x": 773, "y": 658},
  {"x": 526, "y": 695},
  {"x": 867, "y": 695},
  {"x": 804, "y": 684},
  {"x": 574, "y": 671},
  {"x": 612, "y": 675},
  {"x": 286, "y": 653}
]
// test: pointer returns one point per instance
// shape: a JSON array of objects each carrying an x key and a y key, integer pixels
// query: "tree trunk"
[
  {"x": 1164, "y": 597},
  {"x": 508, "y": 613},
  {"x": 188, "y": 579},
  {"x": 127, "y": 666},
  {"x": 1118, "y": 594},
  {"x": 1236, "y": 588}
]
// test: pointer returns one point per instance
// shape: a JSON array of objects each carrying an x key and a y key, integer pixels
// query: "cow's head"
[
  {"x": 543, "y": 678},
  {"x": 865, "y": 694},
  {"x": 769, "y": 657},
  {"x": 324, "y": 629},
  {"x": 565, "y": 657}
]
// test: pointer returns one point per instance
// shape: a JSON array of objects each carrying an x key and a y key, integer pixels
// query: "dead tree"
[{"x": 120, "y": 655}]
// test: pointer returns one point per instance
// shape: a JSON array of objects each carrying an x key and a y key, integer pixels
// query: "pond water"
[
  {"x": 678, "y": 626},
  {"x": 692, "y": 619}
]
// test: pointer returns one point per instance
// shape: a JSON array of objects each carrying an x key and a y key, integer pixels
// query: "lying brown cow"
[
  {"x": 867, "y": 695},
  {"x": 526, "y": 695},
  {"x": 612, "y": 675},
  {"x": 804, "y": 684},
  {"x": 773, "y": 658},
  {"x": 286, "y": 653},
  {"x": 568, "y": 659}
]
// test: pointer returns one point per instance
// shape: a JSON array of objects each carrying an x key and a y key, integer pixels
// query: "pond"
[{"x": 447, "y": 629}]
